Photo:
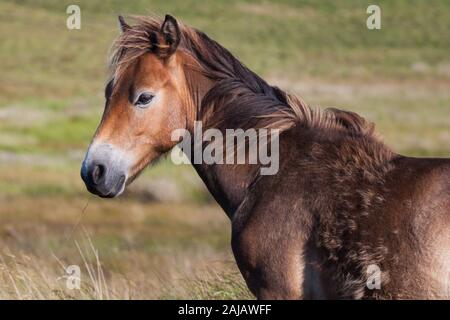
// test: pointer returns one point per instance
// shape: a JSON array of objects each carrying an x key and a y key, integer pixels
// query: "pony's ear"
[
  {"x": 171, "y": 35},
  {"x": 123, "y": 25}
]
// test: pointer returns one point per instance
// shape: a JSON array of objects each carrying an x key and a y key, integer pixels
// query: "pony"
[{"x": 344, "y": 217}]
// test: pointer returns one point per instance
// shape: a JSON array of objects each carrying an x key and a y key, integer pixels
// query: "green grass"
[
  {"x": 175, "y": 243},
  {"x": 293, "y": 38}
]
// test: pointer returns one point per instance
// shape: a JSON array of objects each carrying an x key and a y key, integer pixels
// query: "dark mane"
[{"x": 239, "y": 96}]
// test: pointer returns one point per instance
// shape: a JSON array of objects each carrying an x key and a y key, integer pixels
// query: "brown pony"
[{"x": 344, "y": 217}]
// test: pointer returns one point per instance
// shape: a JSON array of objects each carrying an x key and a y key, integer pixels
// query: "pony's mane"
[{"x": 239, "y": 95}]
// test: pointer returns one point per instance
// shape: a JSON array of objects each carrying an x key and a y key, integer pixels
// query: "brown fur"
[{"x": 341, "y": 200}]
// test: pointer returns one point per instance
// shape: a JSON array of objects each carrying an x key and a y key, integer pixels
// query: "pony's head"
[{"x": 146, "y": 99}]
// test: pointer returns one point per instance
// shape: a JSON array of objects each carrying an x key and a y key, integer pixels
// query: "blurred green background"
[{"x": 166, "y": 238}]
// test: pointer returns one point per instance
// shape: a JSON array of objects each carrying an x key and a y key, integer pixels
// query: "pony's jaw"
[{"x": 105, "y": 170}]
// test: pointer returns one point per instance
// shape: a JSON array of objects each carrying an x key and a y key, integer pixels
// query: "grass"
[
  {"x": 31, "y": 277},
  {"x": 166, "y": 238}
]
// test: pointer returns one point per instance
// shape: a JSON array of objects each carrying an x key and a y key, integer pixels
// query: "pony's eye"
[{"x": 144, "y": 99}]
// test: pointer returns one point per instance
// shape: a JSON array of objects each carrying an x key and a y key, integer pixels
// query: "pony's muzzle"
[{"x": 103, "y": 173}]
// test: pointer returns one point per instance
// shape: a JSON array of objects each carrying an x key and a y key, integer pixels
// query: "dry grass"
[
  {"x": 135, "y": 247},
  {"x": 30, "y": 277}
]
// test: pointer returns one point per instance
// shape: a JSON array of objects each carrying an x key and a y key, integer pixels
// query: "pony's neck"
[
  {"x": 227, "y": 183},
  {"x": 226, "y": 95}
]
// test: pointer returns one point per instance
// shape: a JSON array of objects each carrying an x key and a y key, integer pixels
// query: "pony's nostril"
[{"x": 98, "y": 173}]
